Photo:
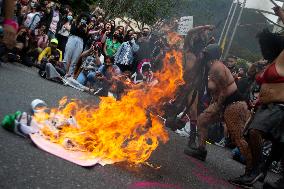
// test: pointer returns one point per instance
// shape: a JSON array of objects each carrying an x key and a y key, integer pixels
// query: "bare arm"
[
  {"x": 105, "y": 36},
  {"x": 98, "y": 60},
  {"x": 105, "y": 49},
  {"x": 9, "y": 9},
  {"x": 279, "y": 12},
  {"x": 200, "y": 28},
  {"x": 218, "y": 79}
]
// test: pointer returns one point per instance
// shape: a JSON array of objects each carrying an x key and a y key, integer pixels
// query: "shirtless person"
[{"x": 226, "y": 101}]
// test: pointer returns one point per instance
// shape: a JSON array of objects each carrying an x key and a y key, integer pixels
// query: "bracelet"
[{"x": 12, "y": 23}]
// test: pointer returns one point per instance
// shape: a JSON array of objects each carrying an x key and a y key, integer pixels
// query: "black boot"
[
  {"x": 279, "y": 184},
  {"x": 248, "y": 179},
  {"x": 192, "y": 140},
  {"x": 198, "y": 153},
  {"x": 238, "y": 181}
]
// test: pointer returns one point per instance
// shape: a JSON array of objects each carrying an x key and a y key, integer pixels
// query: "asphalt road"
[{"x": 22, "y": 165}]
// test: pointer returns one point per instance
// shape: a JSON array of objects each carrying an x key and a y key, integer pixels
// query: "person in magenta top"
[{"x": 268, "y": 121}]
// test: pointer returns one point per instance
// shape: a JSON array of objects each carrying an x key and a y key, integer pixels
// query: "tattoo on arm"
[{"x": 218, "y": 79}]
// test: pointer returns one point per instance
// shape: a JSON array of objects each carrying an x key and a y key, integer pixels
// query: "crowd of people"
[
  {"x": 98, "y": 54},
  {"x": 85, "y": 47}
]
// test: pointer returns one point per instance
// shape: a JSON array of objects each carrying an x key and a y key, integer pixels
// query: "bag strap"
[{"x": 37, "y": 14}]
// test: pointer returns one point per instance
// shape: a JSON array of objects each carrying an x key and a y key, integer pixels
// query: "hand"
[
  {"x": 92, "y": 49},
  {"x": 67, "y": 75},
  {"x": 10, "y": 35},
  {"x": 209, "y": 27},
  {"x": 107, "y": 32},
  {"x": 277, "y": 10},
  {"x": 97, "y": 52}
]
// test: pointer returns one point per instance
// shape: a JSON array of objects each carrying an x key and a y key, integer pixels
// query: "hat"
[
  {"x": 54, "y": 41},
  {"x": 213, "y": 51}
]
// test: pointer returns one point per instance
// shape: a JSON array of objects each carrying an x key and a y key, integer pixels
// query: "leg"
[
  {"x": 68, "y": 53},
  {"x": 75, "y": 56},
  {"x": 209, "y": 116},
  {"x": 235, "y": 117},
  {"x": 267, "y": 119},
  {"x": 279, "y": 183},
  {"x": 193, "y": 123},
  {"x": 82, "y": 79}
]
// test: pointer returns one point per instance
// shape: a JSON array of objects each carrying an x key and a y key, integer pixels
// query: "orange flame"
[{"x": 118, "y": 130}]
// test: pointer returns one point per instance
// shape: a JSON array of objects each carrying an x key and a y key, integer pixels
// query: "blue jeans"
[
  {"x": 91, "y": 77},
  {"x": 82, "y": 79}
]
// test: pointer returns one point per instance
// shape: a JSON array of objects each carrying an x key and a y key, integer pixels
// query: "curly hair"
[{"x": 271, "y": 44}]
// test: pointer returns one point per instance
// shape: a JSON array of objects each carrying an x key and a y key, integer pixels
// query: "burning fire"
[{"x": 117, "y": 130}]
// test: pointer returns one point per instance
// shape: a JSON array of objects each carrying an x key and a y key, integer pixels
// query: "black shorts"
[{"x": 270, "y": 120}]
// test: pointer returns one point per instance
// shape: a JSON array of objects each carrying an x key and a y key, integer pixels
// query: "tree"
[
  {"x": 78, "y": 5},
  {"x": 143, "y": 12}
]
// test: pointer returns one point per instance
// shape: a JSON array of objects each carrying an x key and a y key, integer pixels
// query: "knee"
[
  {"x": 91, "y": 76},
  {"x": 48, "y": 65}
]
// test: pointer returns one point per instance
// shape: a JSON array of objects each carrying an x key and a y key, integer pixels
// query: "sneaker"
[
  {"x": 192, "y": 140},
  {"x": 279, "y": 184},
  {"x": 182, "y": 132},
  {"x": 197, "y": 153},
  {"x": 276, "y": 167},
  {"x": 222, "y": 143}
]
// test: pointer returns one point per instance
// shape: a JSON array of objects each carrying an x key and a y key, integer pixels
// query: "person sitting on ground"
[
  {"x": 51, "y": 58},
  {"x": 92, "y": 60},
  {"x": 41, "y": 38},
  {"x": 105, "y": 76}
]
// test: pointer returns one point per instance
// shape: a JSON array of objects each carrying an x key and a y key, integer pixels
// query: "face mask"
[
  {"x": 145, "y": 34},
  {"x": 70, "y": 18},
  {"x": 115, "y": 35}
]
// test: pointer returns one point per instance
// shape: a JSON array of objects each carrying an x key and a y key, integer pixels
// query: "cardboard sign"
[{"x": 185, "y": 24}]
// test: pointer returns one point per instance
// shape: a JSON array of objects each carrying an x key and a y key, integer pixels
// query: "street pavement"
[{"x": 22, "y": 165}]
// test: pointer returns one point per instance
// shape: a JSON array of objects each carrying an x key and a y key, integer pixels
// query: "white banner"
[{"x": 185, "y": 24}]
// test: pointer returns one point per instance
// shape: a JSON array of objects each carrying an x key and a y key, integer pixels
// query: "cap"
[{"x": 54, "y": 41}]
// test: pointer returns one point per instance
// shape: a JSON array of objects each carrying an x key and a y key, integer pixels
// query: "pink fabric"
[
  {"x": 42, "y": 41},
  {"x": 12, "y": 23},
  {"x": 54, "y": 21}
]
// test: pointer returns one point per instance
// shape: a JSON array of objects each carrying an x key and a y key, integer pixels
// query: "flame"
[{"x": 117, "y": 130}]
